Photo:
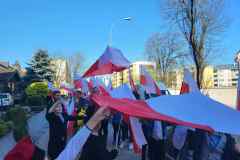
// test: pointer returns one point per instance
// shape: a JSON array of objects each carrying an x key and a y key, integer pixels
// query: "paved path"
[
  {"x": 6, "y": 144},
  {"x": 125, "y": 154},
  {"x": 38, "y": 129}
]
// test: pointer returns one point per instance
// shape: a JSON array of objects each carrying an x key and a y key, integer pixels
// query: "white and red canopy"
[{"x": 112, "y": 60}]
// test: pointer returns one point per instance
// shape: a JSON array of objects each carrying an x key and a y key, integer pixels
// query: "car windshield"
[{"x": 3, "y": 96}]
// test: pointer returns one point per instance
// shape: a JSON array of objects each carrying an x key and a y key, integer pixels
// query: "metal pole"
[{"x": 111, "y": 34}]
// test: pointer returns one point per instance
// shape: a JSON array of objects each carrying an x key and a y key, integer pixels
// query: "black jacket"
[
  {"x": 94, "y": 149},
  {"x": 229, "y": 152},
  {"x": 57, "y": 133}
]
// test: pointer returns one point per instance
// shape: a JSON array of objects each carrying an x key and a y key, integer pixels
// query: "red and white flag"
[
  {"x": 148, "y": 82},
  {"x": 238, "y": 95},
  {"x": 112, "y": 60},
  {"x": 188, "y": 84}
]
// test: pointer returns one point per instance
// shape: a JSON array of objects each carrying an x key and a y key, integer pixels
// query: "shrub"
[
  {"x": 5, "y": 127},
  {"x": 37, "y": 93},
  {"x": 18, "y": 116}
]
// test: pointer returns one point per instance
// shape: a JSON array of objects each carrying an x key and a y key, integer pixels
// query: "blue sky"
[{"x": 68, "y": 26}]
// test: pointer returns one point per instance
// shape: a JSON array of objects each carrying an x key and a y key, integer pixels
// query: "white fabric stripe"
[
  {"x": 75, "y": 145},
  {"x": 137, "y": 131},
  {"x": 149, "y": 87},
  {"x": 157, "y": 130},
  {"x": 198, "y": 109},
  {"x": 188, "y": 79}
]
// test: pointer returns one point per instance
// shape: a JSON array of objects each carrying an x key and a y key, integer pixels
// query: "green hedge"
[
  {"x": 5, "y": 127},
  {"x": 37, "y": 93}
]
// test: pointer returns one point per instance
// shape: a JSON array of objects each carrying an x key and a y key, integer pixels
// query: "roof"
[
  {"x": 4, "y": 63},
  {"x": 226, "y": 66},
  {"x": 8, "y": 76},
  {"x": 5, "y": 67}
]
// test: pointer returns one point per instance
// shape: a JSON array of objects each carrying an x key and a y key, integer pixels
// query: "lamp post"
[{"x": 112, "y": 27}]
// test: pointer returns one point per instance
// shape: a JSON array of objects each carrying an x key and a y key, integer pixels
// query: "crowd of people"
[{"x": 165, "y": 141}]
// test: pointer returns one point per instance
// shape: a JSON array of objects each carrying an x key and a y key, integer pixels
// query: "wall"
[{"x": 226, "y": 96}]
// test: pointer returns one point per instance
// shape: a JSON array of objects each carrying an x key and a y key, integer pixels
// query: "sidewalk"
[
  {"x": 125, "y": 154},
  {"x": 6, "y": 144}
]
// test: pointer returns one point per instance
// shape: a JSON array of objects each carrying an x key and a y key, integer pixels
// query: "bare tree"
[
  {"x": 200, "y": 22},
  {"x": 66, "y": 66},
  {"x": 167, "y": 51},
  {"x": 75, "y": 63}
]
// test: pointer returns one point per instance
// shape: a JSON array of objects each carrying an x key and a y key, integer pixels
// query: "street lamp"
[{"x": 113, "y": 25}]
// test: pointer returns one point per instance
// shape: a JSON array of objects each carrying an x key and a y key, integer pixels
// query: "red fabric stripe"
[
  {"x": 90, "y": 85},
  {"x": 158, "y": 91},
  {"x": 77, "y": 83},
  {"x": 91, "y": 69},
  {"x": 107, "y": 68},
  {"x": 103, "y": 91},
  {"x": 23, "y": 150},
  {"x": 137, "y": 149},
  {"x": 70, "y": 125},
  {"x": 238, "y": 102},
  {"x": 134, "y": 88},
  {"x": 143, "y": 80},
  {"x": 184, "y": 88}
]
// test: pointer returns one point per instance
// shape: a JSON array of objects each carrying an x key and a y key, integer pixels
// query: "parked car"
[{"x": 6, "y": 100}]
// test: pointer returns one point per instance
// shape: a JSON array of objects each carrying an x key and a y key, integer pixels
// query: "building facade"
[
  {"x": 61, "y": 70},
  {"x": 119, "y": 78},
  {"x": 220, "y": 76},
  {"x": 225, "y": 76},
  {"x": 10, "y": 79}
]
